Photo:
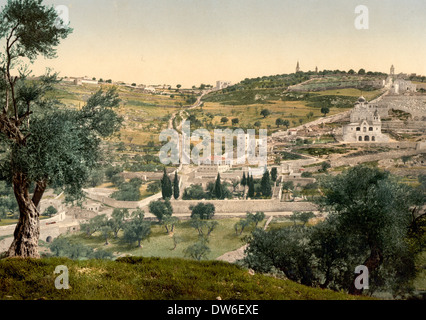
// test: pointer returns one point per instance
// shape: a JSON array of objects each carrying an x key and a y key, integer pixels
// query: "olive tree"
[{"x": 43, "y": 142}]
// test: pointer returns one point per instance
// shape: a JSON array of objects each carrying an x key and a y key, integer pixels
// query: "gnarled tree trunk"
[{"x": 27, "y": 231}]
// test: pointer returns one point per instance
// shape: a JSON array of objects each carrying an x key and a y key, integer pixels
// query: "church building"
[{"x": 365, "y": 124}]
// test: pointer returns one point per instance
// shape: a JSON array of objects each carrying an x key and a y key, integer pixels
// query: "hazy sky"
[{"x": 201, "y": 41}]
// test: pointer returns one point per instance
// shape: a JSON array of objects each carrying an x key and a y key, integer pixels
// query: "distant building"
[
  {"x": 222, "y": 84},
  {"x": 150, "y": 89},
  {"x": 81, "y": 81},
  {"x": 401, "y": 86},
  {"x": 297, "y": 67},
  {"x": 218, "y": 164},
  {"x": 365, "y": 124}
]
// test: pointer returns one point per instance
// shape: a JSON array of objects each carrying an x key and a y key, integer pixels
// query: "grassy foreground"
[{"x": 148, "y": 279}]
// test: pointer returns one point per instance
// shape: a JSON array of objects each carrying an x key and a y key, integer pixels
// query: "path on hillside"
[{"x": 239, "y": 254}]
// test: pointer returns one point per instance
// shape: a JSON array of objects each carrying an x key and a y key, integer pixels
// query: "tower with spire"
[
  {"x": 297, "y": 67},
  {"x": 392, "y": 71}
]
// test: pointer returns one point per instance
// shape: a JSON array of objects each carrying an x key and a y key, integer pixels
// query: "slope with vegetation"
[{"x": 148, "y": 279}]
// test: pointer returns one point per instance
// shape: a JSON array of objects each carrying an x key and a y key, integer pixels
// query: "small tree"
[
  {"x": 203, "y": 211},
  {"x": 265, "y": 113},
  {"x": 50, "y": 211},
  {"x": 137, "y": 230},
  {"x": 161, "y": 209},
  {"x": 117, "y": 220},
  {"x": 286, "y": 123},
  {"x": 224, "y": 120},
  {"x": 279, "y": 122},
  {"x": 169, "y": 223},
  {"x": 235, "y": 121},
  {"x": 106, "y": 233},
  {"x": 94, "y": 224},
  {"x": 197, "y": 251},
  {"x": 325, "y": 110}
]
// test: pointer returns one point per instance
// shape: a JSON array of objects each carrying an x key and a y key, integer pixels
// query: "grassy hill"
[
  {"x": 297, "y": 98},
  {"x": 148, "y": 279}
]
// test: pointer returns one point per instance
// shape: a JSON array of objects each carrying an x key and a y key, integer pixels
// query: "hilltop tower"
[
  {"x": 297, "y": 67},
  {"x": 392, "y": 71}
]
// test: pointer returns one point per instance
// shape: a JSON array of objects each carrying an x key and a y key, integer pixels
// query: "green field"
[{"x": 160, "y": 244}]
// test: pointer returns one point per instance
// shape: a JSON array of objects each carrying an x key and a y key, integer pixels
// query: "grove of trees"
[{"x": 373, "y": 220}]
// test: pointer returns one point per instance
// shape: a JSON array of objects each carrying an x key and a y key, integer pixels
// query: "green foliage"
[
  {"x": 218, "y": 188},
  {"x": 162, "y": 209},
  {"x": 204, "y": 227},
  {"x": 290, "y": 156},
  {"x": 198, "y": 251},
  {"x": 244, "y": 180},
  {"x": 265, "y": 113},
  {"x": 166, "y": 186},
  {"x": 303, "y": 217},
  {"x": 8, "y": 204},
  {"x": 122, "y": 279},
  {"x": 307, "y": 174},
  {"x": 33, "y": 26},
  {"x": 250, "y": 220},
  {"x": 50, "y": 211},
  {"x": 265, "y": 184},
  {"x": 117, "y": 220},
  {"x": 368, "y": 222},
  {"x": 176, "y": 190},
  {"x": 154, "y": 187},
  {"x": 250, "y": 192},
  {"x": 325, "y": 110},
  {"x": 203, "y": 211},
  {"x": 136, "y": 230},
  {"x": 194, "y": 192},
  {"x": 128, "y": 191},
  {"x": 62, "y": 247},
  {"x": 94, "y": 224}
]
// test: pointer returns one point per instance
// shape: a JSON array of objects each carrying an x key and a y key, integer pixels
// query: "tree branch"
[{"x": 38, "y": 192}]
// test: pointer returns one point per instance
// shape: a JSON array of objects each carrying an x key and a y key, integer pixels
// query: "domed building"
[{"x": 365, "y": 124}]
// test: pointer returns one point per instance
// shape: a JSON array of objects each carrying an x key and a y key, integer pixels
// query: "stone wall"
[
  {"x": 243, "y": 206},
  {"x": 373, "y": 157}
]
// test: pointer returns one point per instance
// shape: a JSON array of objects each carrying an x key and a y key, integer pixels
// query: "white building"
[
  {"x": 365, "y": 125},
  {"x": 222, "y": 84}
]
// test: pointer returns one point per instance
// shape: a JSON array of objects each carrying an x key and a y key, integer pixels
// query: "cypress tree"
[
  {"x": 274, "y": 174},
  {"x": 244, "y": 180},
  {"x": 176, "y": 191},
  {"x": 250, "y": 193},
  {"x": 218, "y": 188},
  {"x": 166, "y": 186},
  {"x": 266, "y": 184}
]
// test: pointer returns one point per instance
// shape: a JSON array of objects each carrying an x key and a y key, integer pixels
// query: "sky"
[{"x": 190, "y": 42}]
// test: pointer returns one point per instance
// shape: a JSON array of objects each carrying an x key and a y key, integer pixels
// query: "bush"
[{"x": 203, "y": 211}]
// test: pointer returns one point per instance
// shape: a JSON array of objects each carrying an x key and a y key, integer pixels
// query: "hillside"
[{"x": 148, "y": 279}]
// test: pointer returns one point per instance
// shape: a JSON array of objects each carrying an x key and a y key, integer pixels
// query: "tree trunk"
[
  {"x": 372, "y": 263},
  {"x": 27, "y": 231}
]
